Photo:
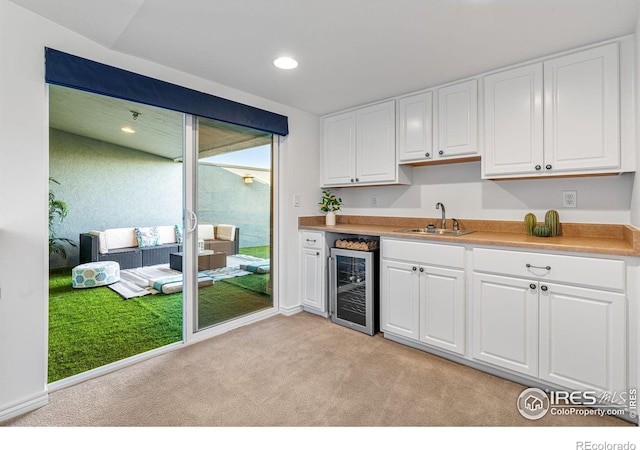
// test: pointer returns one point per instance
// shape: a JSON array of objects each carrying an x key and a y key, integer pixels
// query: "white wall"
[
  {"x": 24, "y": 187},
  {"x": 604, "y": 199}
]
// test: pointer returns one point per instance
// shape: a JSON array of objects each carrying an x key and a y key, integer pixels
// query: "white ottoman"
[{"x": 95, "y": 274}]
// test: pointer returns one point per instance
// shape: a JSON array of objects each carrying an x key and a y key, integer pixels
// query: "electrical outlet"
[
  {"x": 374, "y": 201},
  {"x": 296, "y": 200},
  {"x": 569, "y": 199}
]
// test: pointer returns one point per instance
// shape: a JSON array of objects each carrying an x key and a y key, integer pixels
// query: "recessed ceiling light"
[
  {"x": 128, "y": 130},
  {"x": 285, "y": 62}
]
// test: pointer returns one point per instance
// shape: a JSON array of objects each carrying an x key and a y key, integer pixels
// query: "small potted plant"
[{"x": 329, "y": 204}]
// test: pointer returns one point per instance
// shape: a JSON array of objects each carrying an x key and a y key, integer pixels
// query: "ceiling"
[
  {"x": 157, "y": 131},
  {"x": 351, "y": 52}
]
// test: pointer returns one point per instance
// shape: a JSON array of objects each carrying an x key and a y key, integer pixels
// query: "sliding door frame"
[
  {"x": 190, "y": 222},
  {"x": 189, "y": 299}
]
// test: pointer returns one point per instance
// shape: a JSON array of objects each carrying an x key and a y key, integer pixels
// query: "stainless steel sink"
[{"x": 436, "y": 231}]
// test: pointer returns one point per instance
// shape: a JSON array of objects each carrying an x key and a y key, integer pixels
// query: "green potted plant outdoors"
[
  {"x": 330, "y": 204},
  {"x": 58, "y": 210}
]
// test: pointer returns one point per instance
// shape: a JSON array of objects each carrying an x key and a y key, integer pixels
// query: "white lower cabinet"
[
  {"x": 400, "y": 299},
  {"x": 528, "y": 316},
  {"x": 582, "y": 338},
  {"x": 442, "y": 308},
  {"x": 314, "y": 268},
  {"x": 421, "y": 300},
  {"x": 505, "y": 322}
]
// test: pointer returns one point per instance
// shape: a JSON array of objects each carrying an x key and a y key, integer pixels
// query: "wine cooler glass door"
[{"x": 352, "y": 290}]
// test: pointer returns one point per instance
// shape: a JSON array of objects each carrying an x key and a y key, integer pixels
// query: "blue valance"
[{"x": 78, "y": 73}]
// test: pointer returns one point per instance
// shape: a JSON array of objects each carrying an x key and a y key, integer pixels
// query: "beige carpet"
[{"x": 294, "y": 371}]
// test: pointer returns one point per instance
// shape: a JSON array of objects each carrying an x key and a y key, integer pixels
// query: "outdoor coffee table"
[{"x": 207, "y": 260}]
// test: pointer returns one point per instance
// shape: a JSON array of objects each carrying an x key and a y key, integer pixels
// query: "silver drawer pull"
[
  {"x": 311, "y": 240},
  {"x": 529, "y": 266}
]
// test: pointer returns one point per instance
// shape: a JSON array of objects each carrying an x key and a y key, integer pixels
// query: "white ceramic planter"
[{"x": 330, "y": 219}]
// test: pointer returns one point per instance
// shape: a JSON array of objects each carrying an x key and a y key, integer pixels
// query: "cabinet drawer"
[
  {"x": 425, "y": 253},
  {"x": 596, "y": 272},
  {"x": 311, "y": 239}
]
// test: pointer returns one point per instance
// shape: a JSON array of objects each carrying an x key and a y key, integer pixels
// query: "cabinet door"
[
  {"x": 415, "y": 130},
  {"x": 513, "y": 122},
  {"x": 458, "y": 119},
  {"x": 376, "y": 143},
  {"x": 581, "y": 122},
  {"x": 338, "y": 149},
  {"x": 313, "y": 280},
  {"x": 582, "y": 338},
  {"x": 400, "y": 299},
  {"x": 442, "y": 305},
  {"x": 505, "y": 322}
]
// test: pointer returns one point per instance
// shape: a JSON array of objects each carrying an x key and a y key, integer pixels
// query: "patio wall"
[
  {"x": 108, "y": 186},
  {"x": 225, "y": 198}
]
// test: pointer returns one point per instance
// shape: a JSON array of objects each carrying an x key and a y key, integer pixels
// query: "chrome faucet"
[{"x": 441, "y": 206}]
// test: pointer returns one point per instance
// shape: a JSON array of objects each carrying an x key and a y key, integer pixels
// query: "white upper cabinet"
[
  {"x": 557, "y": 117},
  {"x": 339, "y": 149},
  {"x": 581, "y": 123},
  {"x": 513, "y": 122},
  {"x": 458, "y": 119},
  {"x": 359, "y": 147},
  {"x": 415, "y": 127},
  {"x": 376, "y": 143}
]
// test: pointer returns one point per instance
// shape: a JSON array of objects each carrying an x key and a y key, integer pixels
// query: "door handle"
[
  {"x": 193, "y": 219},
  {"x": 531, "y": 266}
]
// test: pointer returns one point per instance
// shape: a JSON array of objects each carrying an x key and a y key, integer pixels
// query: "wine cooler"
[{"x": 354, "y": 289}]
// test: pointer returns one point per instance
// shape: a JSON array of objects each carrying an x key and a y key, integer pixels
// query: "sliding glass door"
[
  {"x": 116, "y": 175},
  {"x": 124, "y": 180},
  {"x": 234, "y": 203}
]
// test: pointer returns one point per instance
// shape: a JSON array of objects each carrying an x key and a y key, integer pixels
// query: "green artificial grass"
[{"x": 89, "y": 328}]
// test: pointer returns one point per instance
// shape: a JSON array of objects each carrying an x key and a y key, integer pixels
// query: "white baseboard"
[
  {"x": 290, "y": 311},
  {"x": 24, "y": 406}
]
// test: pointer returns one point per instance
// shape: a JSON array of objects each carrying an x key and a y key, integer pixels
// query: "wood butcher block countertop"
[{"x": 622, "y": 240}]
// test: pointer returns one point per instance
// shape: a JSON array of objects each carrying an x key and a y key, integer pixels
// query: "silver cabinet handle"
[
  {"x": 538, "y": 267},
  {"x": 441, "y": 152},
  {"x": 548, "y": 167},
  {"x": 421, "y": 269},
  {"x": 543, "y": 288},
  {"x": 313, "y": 241},
  {"x": 532, "y": 286},
  {"x": 427, "y": 154},
  {"x": 414, "y": 268},
  {"x": 538, "y": 167}
]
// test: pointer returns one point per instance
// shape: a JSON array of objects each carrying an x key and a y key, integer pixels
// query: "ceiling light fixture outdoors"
[
  {"x": 285, "y": 63},
  {"x": 128, "y": 129}
]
